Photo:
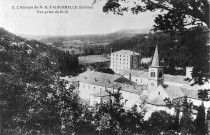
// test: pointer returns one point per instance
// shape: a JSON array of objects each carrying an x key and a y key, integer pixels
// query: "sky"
[{"x": 75, "y": 22}]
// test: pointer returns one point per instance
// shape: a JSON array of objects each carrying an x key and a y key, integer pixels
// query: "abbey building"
[{"x": 135, "y": 85}]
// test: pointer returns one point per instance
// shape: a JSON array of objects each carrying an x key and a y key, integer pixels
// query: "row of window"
[
  {"x": 116, "y": 69},
  {"x": 120, "y": 63},
  {"x": 120, "y": 66},
  {"x": 120, "y": 59},
  {"x": 119, "y": 55}
]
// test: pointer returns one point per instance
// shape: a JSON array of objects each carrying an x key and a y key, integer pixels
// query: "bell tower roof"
[{"x": 155, "y": 60}]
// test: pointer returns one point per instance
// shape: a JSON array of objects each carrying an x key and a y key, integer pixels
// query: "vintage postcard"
[{"x": 111, "y": 67}]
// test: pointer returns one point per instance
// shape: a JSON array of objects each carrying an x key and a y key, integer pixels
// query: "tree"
[
  {"x": 200, "y": 122},
  {"x": 176, "y": 14},
  {"x": 34, "y": 100},
  {"x": 185, "y": 125},
  {"x": 186, "y": 122},
  {"x": 160, "y": 123},
  {"x": 111, "y": 117}
]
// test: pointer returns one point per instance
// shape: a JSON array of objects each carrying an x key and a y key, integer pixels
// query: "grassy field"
[{"x": 93, "y": 59}]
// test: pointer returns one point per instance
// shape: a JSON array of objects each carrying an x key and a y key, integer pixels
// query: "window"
[
  {"x": 136, "y": 80},
  {"x": 94, "y": 88},
  {"x": 158, "y": 93},
  {"x": 160, "y": 74},
  {"x": 152, "y": 74}
]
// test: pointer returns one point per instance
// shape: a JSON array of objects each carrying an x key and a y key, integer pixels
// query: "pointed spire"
[{"x": 155, "y": 60}]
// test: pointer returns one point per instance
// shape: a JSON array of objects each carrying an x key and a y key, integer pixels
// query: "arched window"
[{"x": 152, "y": 74}]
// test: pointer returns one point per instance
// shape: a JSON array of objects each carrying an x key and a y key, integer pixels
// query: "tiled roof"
[
  {"x": 97, "y": 78},
  {"x": 190, "y": 93},
  {"x": 136, "y": 89},
  {"x": 127, "y": 52},
  {"x": 175, "y": 78},
  {"x": 135, "y": 73},
  {"x": 173, "y": 91},
  {"x": 158, "y": 101},
  {"x": 144, "y": 74}
]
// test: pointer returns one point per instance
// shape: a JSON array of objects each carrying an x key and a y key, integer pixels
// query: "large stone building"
[
  {"x": 136, "y": 85},
  {"x": 124, "y": 59}
]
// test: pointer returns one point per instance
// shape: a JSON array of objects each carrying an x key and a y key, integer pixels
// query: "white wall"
[
  {"x": 119, "y": 62},
  {"x": 86, "y": 89},
  {"x": 131, "y": 98},
  {"x": 94, "y": 100},
  {"x": 137, "y": 80}
]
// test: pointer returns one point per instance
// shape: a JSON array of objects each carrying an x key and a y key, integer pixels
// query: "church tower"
[{"x": 155, "y": 73}]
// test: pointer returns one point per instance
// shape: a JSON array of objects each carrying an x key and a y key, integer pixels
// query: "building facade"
[
  {"x": 125, "y": 59},
  {"x": 134, "y": 84}
]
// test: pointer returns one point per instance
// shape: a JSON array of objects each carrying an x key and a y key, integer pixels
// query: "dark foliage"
[
  {"x": 68, "y": 63},
  {"x": 186, "y": 123},
  {"x": 200, "y": 122},
  {"x": 160, "y": 123}
]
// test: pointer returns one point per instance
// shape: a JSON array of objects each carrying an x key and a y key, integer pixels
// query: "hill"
[
  {"x": 15, "y": 50},
  {"x": 93, "y": 39}
]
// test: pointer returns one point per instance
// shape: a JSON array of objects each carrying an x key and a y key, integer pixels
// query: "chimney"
[{"x": 189, "y": 72}]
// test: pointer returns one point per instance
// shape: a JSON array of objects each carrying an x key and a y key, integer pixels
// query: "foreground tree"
[
  {"x": 111, "y": 117},
  {"x": 176, "y": 14},
  {"x": 160, "y": 123},
  {"x": 200, "y": 122},
  {"x": 186, "y": 122},
  {"x": 34, "y": 100}
]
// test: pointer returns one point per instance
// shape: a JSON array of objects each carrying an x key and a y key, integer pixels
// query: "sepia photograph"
[{"x": 104, "y": 67}]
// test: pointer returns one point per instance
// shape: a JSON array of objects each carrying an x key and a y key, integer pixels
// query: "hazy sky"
[{"x": 77, "y": 21}]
